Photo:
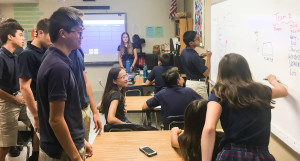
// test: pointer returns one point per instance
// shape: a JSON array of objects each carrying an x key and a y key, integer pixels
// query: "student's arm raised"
[
  {"x": 213, "y": 113},
  {"x": 207, "y": 71},
  {"x": 279, "y": 90}
]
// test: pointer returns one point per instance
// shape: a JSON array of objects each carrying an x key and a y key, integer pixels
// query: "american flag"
[{"x": 173, "y": 9}]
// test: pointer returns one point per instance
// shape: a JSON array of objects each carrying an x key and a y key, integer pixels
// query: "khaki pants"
[
  {"x": 86, "y": 117},
  {"x": 199, "y": 87},
  {"x": 63, "y": 157},
  {"x": 10, "y": 114}
]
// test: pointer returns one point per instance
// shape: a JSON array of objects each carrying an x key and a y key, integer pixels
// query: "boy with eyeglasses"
[
  {"x": 194, "y": 66},
  {"x": 59, "y": 110}
]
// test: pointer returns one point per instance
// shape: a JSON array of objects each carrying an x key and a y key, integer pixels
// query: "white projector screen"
[{"x": 101, "y": 36}]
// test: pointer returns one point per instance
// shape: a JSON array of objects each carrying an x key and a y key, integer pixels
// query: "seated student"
[
  {"x": 244, "y": 109},
  {"x": 189, "y": 140},
  {"x": 173, "y": 99},
  {"x": 157, "y": 71},
  {"x": 113, "y": 99}
]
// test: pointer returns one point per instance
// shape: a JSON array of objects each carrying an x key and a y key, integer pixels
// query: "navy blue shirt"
[
  {"x": 29, "y": 63},
  {"x": 56, "y": 82},
  {"x": 155, "y": 74},
  {"x": 126, "y": 55},
  {"x": 78, "y": 67},
  {"x": 9, "y": 81},
  {"x": 248, "y": 125},
  {"x": 173, "y": 100},
  {"x": 120, "y": 114},
  {"x": 193, "y": 64},
  {"x": 18, "y": 51}
]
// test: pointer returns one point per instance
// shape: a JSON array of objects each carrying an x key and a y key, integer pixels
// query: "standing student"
[
  {"x": 29, "y": 63},
  {"x": 244, "y": 108},
  {"x": 12, "y": 104},
  {"x": 174, "y": 99},
  {"x": 194, "y": 66},
  {"x": 189, "y": 141},
  {"x": 59, "y": 111},
  {"x": 84, "y": 88},
  {"x": 18, "y": 50},
  {"x": 127, "y": 51},
  {"x": 157, "y": 71}
]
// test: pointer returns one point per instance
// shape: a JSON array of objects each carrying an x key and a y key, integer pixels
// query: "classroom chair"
[
  {"x": 174, "y": 121},
  {"x": 133, "y": 92},
  {"x": 119, "y": 127}
]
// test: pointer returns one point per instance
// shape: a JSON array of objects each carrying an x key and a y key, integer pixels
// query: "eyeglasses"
[
  {"x": 79, "y": 32},
  {"x": 123, "y": 77}
]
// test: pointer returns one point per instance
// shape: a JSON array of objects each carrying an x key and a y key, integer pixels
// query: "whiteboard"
[{"x": 267, "y": 34}]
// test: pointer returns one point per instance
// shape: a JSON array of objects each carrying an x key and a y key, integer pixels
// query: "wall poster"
[{"x": 199, "y": 20}]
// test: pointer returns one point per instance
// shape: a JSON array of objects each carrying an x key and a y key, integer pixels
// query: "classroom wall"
[
  {"x": 140, "y": 13},
  {"x": 279, "y": 149}
]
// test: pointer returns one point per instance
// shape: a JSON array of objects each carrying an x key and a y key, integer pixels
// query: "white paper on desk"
[{"x": 157, "y": 108}]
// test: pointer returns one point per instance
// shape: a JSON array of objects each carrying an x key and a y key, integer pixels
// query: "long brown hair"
[
  {"x": 236, "y": 87},
  {"x": 190, "y": 140},
  {"x": 111, "y": 88},
  {"x": 129, "y": 45}
]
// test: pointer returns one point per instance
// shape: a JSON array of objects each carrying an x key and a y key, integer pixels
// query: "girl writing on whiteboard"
[
  {"x": 127, "y": 51},
  {"x": 244, "y": 108},
  {"x": 189, "y": 140}
]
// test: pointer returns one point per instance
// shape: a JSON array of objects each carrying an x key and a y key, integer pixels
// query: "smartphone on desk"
[{"x": 148, "y": 151}]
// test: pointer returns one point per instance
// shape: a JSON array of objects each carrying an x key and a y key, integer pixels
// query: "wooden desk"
[
  {"x": 139, "y": 84},
  {"x": 139, "y": 81},
  {"x": 135, "y": 103},
  {"x": 115, "y": 146}
]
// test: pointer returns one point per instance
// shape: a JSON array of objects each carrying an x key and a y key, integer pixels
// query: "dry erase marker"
[{"x": 267, "y": 79}]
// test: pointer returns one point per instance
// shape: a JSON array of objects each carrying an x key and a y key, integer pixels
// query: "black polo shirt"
[
  {"x": 247, "y": 125},
  {"x": 193, "y": 64},
  {"x": 120, "y": 114},
  {"x": 78, "y": 67},
  {"x": 56, "y": 82},
  {"x": 9, "y": 81},
  {"x": 173, "y": 100},
  {"x": 29, "y": 63},
  {"x": 126, "y": 55},
  {"x": 156, "y": 74}
]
